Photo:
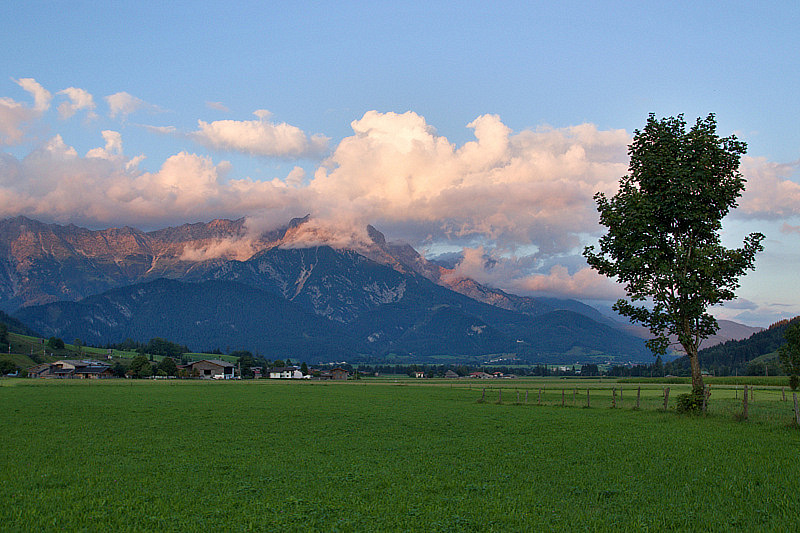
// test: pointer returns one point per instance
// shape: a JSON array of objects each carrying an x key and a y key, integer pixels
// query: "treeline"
[
  {"x": 589, "y": 370},
  {"x": 736, "y": 357}
]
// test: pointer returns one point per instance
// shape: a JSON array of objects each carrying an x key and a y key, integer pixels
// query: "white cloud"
[
  {"x": 112, "y": 149},
  {"x": 260, "y": 137},
  {"x": 41, "y": 96},
  {"x": 534, "y": 187},
  {"x": 15, "y": 118},
  {"x": 770, "y": 194},
  {"x": 78, "y": 99},
  {"x": 218, "y": 106},
  {"x": 122, "y": 104}
]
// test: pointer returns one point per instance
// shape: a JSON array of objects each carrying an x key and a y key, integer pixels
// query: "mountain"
[{"x": 365, "y": 295}]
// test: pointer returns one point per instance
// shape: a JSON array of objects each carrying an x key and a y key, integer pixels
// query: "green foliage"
[
  {"x": 140, "y": 367},
  {"x": 54, "y": 343},
  {"x": 690, "y": 402},
  {"x": 789, "y": 352},
  {"x": 663, "y": 240},
  {"x": 7, "y": 367},
  {"x": 168, "y": 367}
]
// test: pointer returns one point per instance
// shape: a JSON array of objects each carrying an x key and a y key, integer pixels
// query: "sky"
[{"x": 475, "y": 129}]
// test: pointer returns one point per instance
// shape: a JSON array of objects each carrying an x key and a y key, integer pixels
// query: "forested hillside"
[{"x": 736, "y": 357}]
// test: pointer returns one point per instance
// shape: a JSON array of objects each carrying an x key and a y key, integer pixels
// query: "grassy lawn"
[{"x": 377, "y": 455}]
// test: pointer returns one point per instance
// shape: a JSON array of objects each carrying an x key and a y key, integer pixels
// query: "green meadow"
[{"x": 378, "y": 455}]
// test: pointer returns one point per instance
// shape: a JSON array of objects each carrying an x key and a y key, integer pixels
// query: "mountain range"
[{"x": 297, "y": 291}]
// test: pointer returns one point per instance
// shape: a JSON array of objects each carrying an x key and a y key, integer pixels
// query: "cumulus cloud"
[
  {"x": 260, "y": 137},
  {"x": 41, "y": 96},
  {"x": 531, "y": 188},
  {"x": 122, "y": 104},
  {"x": 106, "y": 188},
  {"x": 15, "y": 117},
  {"x": 770, "y": 193},
  {"x": 78, "y": 99}
]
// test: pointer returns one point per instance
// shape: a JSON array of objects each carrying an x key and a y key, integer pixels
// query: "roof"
[
  {"x": 282, "y": 369},
  {"x": 218, "y": 362}
]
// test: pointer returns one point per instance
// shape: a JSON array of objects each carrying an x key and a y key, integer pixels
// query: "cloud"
[
  {"x": 161, "y": 130},
  {"x": 106, "y": 188},
  {"x": 41, "y": 96},
  {"x": 78, "y": 99},
  {"x": 112, "y": 149},
  {"x": 122, "y": 104},
  {"x": 15, "y": 117},
  {"x": 260, "y": 137},
  {"x": 531, "y": 188},
  {"x": 770, "y": 194},
  {"x": 218, "y": 106},
  {"x": 788, "y": 228}
]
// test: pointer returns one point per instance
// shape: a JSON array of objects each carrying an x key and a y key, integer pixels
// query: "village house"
[
  {"x": 285, "y": 372},
  {"x": 450, "y": 375},
  {"x": 419, "y": 374},
  {"x": 480, "y": 375},
  {"x": 72, "y": 369},
  {"x": 213, "y": 369}
]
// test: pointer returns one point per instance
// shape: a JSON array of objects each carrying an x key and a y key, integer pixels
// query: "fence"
[{"x": 742, "y": 402}]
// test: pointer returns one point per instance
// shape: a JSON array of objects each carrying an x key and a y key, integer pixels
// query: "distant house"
[
  {"x": 72, "y": 369},
  {"x": 338, "y": 373},
  {"x": 285, "y": 372},
  {"x": 480, "y": 375},
  {"x": 213, "y": 369},
  {"x": 419, "y": 374},
  {"x": 450, "y": 375}
]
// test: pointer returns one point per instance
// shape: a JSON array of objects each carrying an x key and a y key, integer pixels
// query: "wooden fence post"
[
  {"x": 638, "y": 395},
  {"x": 539, "y": 399},
  {"x": 587, "y": 397},
  {"x": 517, "y": 397},
  {"x": 796, "y": 411},
  {"x": 483, "y": 397},
  {"x": 562, "y": 397},
  {"x": 666, "y": 398},
  {"x": 499, "y": 395},
  {"x": 614, "y": 398},
  {"x": 526, "y": 396},
  {"x": 744, "y": 404},
  {"x": 574, "y": 395},
  {"x": 783, "y": 393},
  {"x": 735, "y": 392},
  {"x": 752, "y": 393}
]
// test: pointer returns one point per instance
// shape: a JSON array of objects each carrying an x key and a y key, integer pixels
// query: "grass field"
[{"x": 383, "y": 456}]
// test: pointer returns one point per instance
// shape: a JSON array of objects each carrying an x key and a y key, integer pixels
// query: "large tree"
[{"x": 663, "y": 239}]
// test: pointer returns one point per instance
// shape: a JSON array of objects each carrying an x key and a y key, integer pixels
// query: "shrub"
[
  {"x": 691, "y": 402},
  {"x": 794, "y": 381}
]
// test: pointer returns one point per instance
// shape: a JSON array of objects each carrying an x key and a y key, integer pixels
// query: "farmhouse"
[
  {"x": 450, "y": 375},
  {"x": 72, "y": 369},
  {"x": 213, "y": 369},
  {"x": 285, "y": 372}
]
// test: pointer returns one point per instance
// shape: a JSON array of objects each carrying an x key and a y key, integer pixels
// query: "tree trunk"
[{"x": 697, "y": 375}]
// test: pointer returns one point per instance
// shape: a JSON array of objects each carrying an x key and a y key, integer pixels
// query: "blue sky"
[{"x": 478, "y": 127}]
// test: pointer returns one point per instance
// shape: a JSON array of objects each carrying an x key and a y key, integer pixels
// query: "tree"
[
  {"x": 168, "y": 366},
  {"x": 789, "y": 354},
  {"x": 663, "y": 240},
  {"x": 140, "y": 367},
  {"x": 55, "y": 343}
]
